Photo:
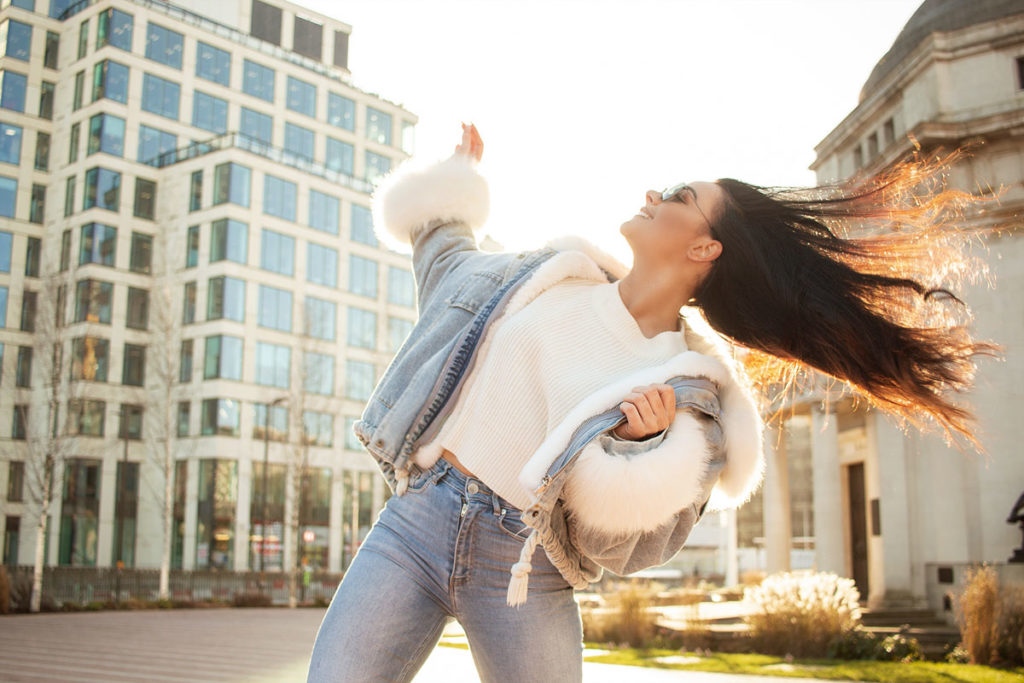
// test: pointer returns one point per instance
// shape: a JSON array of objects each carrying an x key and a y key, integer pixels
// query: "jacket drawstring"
[
  {"x": 401, "y": 481},
  {"x": 521, "y": 572}
]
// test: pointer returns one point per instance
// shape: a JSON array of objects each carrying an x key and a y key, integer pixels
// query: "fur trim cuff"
[{"x": 413, "y": 196}]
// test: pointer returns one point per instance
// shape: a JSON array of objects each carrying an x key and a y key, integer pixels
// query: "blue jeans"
[{"x": 442, "y": 551}]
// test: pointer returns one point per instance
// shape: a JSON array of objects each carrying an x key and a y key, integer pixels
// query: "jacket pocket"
[{"x": 475, "y": 291}]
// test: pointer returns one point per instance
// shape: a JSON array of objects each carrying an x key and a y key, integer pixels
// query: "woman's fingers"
[
  {"x": 472, "y": 144},
  {"x": 648, "y": 410}
]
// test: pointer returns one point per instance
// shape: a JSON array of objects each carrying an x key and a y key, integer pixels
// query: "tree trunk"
[{"x": 44, "y": 519}]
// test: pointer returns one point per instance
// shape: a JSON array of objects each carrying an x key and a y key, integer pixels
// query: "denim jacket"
[{"x": 711, "y": 452}]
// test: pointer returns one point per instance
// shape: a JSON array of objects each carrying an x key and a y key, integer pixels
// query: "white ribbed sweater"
[{"x": 542, "y": 361}]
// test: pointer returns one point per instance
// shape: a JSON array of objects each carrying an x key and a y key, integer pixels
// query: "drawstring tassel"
[
  {"x": 521, "y": 572},
  {"x": 402, "y": 479}
]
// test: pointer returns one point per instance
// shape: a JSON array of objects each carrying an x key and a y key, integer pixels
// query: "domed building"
[{"x": 900, "y": 512}]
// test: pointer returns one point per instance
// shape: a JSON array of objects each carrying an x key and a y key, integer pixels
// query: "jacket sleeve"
[{"x": 434, "y": 210}]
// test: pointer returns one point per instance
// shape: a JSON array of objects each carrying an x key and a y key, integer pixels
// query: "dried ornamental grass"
[
  {"x": 976, "y": 613},
  {"x": 800, "y": 614}
]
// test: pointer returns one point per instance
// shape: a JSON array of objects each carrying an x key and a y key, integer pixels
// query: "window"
[
  {"x": 138, "y": 309},
  {"x": 37, "y": 204},
  {"x": 12, "y": 90},
  {"x": 73, "y": 140},
  {"x": 362, "y": 226},
  {"x": 322, "y": 265},
  {"x": 153, "y": 143},
  {"x": 85, "y": 417},
  {"x": 160, "y": 96},
  {"x": 114, "y": 27},
  {"x": 83, "y": 38},
  {"x": 378, "y": 126},
  {"x": 888, "y": 132},
  {"x": 42, "y": 151},
  {"x": 858, "y": 157},
  {"x": 145, "y": 198},
  {"x": 10, "y": 144},
  {"x": 195, "y": 193},
  {"x": 213, "y": 64},
  {"x": 277, "y": 253},
  {"x": 256, "y": 126},
  {"x": 229, "y": 240},
  {"x": 362, "y": 276},
  {"x": 185, "y": 366},
  {"x": 23, "y": 369},
  {"x": 163, "y": 45},
  {"x": 15, "y": 481},
  {"x": 398, "y": 331},
  {"x": 65, "y": 250},
  {"x": 69, "y": 195},
  {"x": 188, "y": 314},
  {"x": 266, "y": 22},
  {"x": 220, "y": 417},
  {"x": 318, "y": 428},
  {"x": 76, "y": 100},
  {"x": 62, "y": 298},
  {"x": 279, "y": 197},
  {"x": 1020, "y": 72},
  {"x": 340, "y": 156},
  {"x": 32, "y": 250},
  {"x": 401, "y": 287},
  {"x": 225, "y": 299},
  {"x": 408, "y": 137},
  {"x": 341, "y": 49},
  {"x": 308, "y": 38},
  {"x": 258, "y": 80},
  {"x": 110, "y": 80},
  {"x": 299, "y": 141},
  {"x": 93, "y": 301},
  {"x": 131, "y": 422},
  {"x": 275, "y": 423},
  {"x": 46, "y": 94},
  {"x": 320, "y": 318},
  {"x": 301, "y": 96},
  {"x": 106, "y": 134},
  {"x": 134, "y": 370},
  {"x": 192, "y": 247},
  {"x": 102, "y": 189},
  {"x": 5, "y": 251},
  {"x": 376, "y": 166},
  {"x": 3, "y": 322},
  {"x": 209, "y": 112},
  {"x": 362, "y": 328},
  {"x": 223, "y": 358},
  {"x": 50, "y": 52},
  {"x": 341, "y": 111},
  {"x": 324, "y": 212},
  {"x": 29, "y": 301},
  {"x": 17, "y": 38},
  {"x": 273, "y": 363},
  {"x": 275, "y": 308},
  {"x": 873, "y": 145},
  {"x": 97, "y": 244},
  {"x": 318, "y": 373},
  {"x": 8, "y": 196},
  {"x": 184, "y": 417},
  {"x": 352, "y": 442},
  {"x": 89, "y": 359},
  {"x": 359, "y": 378},
  {"x": 231, "y": 183},
  {"x": 142, "y": 253}
]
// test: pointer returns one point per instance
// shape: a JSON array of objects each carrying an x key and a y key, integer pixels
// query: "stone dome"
[{"x": 937, "y": 15}]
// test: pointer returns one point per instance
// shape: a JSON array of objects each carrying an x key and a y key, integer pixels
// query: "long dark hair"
[{"x": 852, "y": 280}]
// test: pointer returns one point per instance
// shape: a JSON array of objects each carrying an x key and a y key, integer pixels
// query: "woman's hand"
[
  {"x": 472, "y": 145},
  {"x": 648, "y": 410}
]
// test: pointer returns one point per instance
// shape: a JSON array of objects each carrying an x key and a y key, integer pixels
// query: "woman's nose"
[{"x": 653, "y": 197}]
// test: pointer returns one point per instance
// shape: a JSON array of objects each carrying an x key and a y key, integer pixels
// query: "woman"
[{"x": 552, "y": 398}]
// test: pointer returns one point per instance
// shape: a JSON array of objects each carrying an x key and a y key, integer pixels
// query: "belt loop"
[{"x": 495, "y": 504}]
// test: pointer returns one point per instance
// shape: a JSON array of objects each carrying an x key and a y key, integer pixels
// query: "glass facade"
[
  {"x": 398, "y": 332},
  {"x": 213, "y": 64},
  {"x": 256, "y": 125},
  {"x": 232, "y": 183},
  {"x": 220, "y": 417},
  {"x": 318, "y": 428},
  {"x": 90, "y": 361},
  {"x": 401, "y": 287},
  {"x": 102, "y": 189},
  {"x": 314, "y": 518},
  {"x": 215, "y": 513},
  {"x": 229, "y": 240},
  {"x": 321, "y": 318},
  {"x": 79, "y": 514},
  {"x": 362, "y": 276},
  {"x": 145, "y": 199},
  {"x": 318, "y": 373},
  {"x": 141, "y": 253},
  {"x": 17, "y": 39},
  {"x": 362, "y": 226},
  {"x": 209, "y": 112},
  {"x": 225, "y": 299},
  {"x": 321, "y": 265},
  {"x": 126, "y": 504},
  {"x": 301, "y": 96},
  {"x": 110, "y": 81},
  {"x": 275, "y": 308},
  {"x": 267, "y": 532},
  {"x": 160, "y": 96},
  {"x": 97, "y": 244},
  {"x": 164, "y": 45},
  {"x": 10, "y": 143},
  {"x": 362, "y": 328},
  {"x": 341, "y": 111},
  {"x": 279, "y": 197},
  {"x": 8, "y": 196},
  {"x": 223, "y": 358},
  {"x": 273, "y": 365},
  {"x": 154, "y": 142},
  {"x": 376, "y": 166},
  {"x": 359, "y": 379},
  {"x": 273, "y": 427},
  {"x": 258, "y": 80},
  {"x": 299, "y": 141},
  {"x": 93, "y": 301},
  {"x": 378, "y": 126},
  {"x": 134, "y": 369},
  {"x": 113, "y": 27},
  {"x": 277, "y": 252},
  {"x": 356, "y": 513},
  {"x": 324, "y": 212},
  {"x": 12, "y": 90},
  {"x": 340, "y": 156},
  {"x": 106, "y": 134},
  {"x": 85, "y": 417}
]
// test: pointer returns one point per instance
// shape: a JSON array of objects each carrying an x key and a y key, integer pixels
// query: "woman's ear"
[{"x": 705, "y": 251}]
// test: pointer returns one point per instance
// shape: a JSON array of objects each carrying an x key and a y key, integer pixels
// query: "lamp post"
[{"x": 263, "y": 495}]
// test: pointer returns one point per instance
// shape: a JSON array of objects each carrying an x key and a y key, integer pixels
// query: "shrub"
[
  {"x": 899, "y": 648},
  {"x": 251, "y": 600},
  {"x": 855, "y": 643},
  {"x": 976, "y": 613},
  {"x": 5, "y": 591},
  {"x": 800, "y": 614},
  {"x": 1010, "y": 626},
  {"x": 630, "y": 621}
]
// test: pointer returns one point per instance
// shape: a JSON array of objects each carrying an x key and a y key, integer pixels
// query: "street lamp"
[{"x": 266, "y": 466}]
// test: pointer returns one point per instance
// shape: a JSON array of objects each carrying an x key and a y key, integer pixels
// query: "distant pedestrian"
[{"x": 557, "y": 399}]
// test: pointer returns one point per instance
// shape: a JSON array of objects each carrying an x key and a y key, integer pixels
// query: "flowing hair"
[{"x": 852, "y": 280}]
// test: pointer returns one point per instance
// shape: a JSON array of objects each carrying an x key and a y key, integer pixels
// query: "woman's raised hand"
[
  {"x": 648, "y": 410},
  {"x": 472, "y": 145}
]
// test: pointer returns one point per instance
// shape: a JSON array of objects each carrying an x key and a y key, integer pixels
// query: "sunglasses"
[{"x": 672, "y": 193}]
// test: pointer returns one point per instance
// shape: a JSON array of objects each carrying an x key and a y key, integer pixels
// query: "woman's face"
[{"x": 679, "y": 227}]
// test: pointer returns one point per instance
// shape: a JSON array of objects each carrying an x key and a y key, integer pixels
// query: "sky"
[{"x": 583, "y": 105}]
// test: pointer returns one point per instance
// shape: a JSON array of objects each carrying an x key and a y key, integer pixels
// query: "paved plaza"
[{"x": 239, "y": 645}]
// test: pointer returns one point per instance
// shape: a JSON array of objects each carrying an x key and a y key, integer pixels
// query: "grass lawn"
[{"x": 826, "y": 669}]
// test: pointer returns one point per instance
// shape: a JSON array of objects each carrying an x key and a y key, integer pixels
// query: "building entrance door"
[{"x": 858, "y": 527}]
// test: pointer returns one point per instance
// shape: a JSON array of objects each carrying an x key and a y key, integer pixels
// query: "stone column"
[
  {"x": 829, "y": 553},
  {"x": 188, "y": 543},
  {"x": 52, "y": 556},
  {"x": 888, "y": 448},
  {"x": 732, "y": 558},
  {"x": 778, "y": 528}
]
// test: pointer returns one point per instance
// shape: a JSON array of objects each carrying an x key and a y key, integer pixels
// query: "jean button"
[{"x": 473, "y": 488}]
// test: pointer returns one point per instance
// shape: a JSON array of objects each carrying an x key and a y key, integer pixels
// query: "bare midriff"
[{"x": 450, "y": 457}]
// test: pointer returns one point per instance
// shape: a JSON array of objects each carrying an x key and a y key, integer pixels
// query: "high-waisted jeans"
[{"x": 442, "y": 551}]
